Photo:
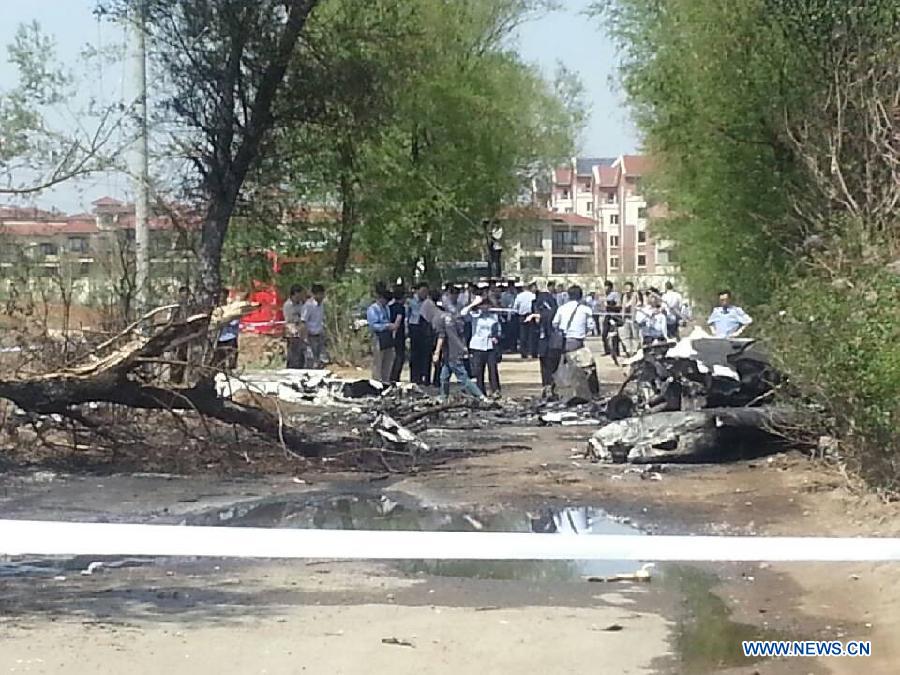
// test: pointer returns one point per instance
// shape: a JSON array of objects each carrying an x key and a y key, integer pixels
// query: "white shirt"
[
  {"x": 313, "y": 315},
  {"x": 523, "y": 303},
  {"x": 673, "y": 301},
  {"x": 485, "y": 327},
  {"x": 575, "y": 327},
  {"x": 653, "y": 322}
]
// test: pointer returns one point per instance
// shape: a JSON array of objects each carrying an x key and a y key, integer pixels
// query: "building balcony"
[{"x": 569, "y": 248}]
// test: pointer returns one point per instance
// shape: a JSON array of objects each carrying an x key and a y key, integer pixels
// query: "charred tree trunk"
[
  {"x": 215, "y": 227},
  {"x": 112, "y": 374}
]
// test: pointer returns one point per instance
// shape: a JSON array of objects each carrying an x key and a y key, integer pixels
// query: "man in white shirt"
[
  {"x": 674, "y": 302},
  {"x": 652, "y": 319},
  {"x": 528, "y": 334},
  {"x": 574, "y": 319},
  {"x": 312, "y": 316}
]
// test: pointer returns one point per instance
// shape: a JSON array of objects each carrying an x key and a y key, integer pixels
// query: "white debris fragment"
[
  {"x": 91, "y": 568},
  {"x": 473, "y": 522}
]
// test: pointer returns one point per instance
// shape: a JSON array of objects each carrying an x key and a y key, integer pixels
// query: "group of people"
[
  {"x": 304, "y": 327},
  {"x": 463, "y": 330},
  {"x": 454, "y": 333}
]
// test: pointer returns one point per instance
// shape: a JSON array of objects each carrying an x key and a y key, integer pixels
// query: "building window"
[
  {"x": 642, "y": 212},
  {"x": 84, "y": 269},
  {"x": 568, "y": 209},
  {"x": 590, "y": 207},
  {"x": 614, "y": 219},
  {"x": 610, "y": 197},
  {"x": 642, "y": 236},
  {"x": 570, "y": 241},
  {"x": 614, "y": 262},
  {"x": 46, "y": 248},
  {"x": 614, "y": 240},
  {"x": 531, "y": 264},
  {"x": 642, "y": 260},
  {"x": 587, "y": 186},
  {"x": 532, "y": 239},
  {"x": 568, "y": 265},
  {"x": 565, "y": 194},
  {"x": 667, "y": 257},
  {"x": 78, "y": 244}
]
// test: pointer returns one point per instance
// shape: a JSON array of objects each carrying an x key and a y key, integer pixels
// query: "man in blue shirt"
[
  {"x": 382, "y": 330},
  {"x": 728, "y": 320}
]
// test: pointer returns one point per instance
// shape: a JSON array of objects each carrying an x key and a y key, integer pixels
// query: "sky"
[{"x": 566, "y": 36}]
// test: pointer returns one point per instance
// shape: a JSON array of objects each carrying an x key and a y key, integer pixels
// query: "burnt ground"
[{"x": 520, "y": 467}]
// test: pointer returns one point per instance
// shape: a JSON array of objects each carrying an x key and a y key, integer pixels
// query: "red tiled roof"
[
  {"x": 106, "y": 201},
  {"x": 562, "y": 176},
  {"x": 567, "y": 218},
  {"x": 45, "y": 229},
  {"x": 606, "y": 176},
  {"x": 637, "y": 165}
]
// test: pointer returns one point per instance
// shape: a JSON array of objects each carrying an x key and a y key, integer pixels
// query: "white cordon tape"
[{"x": 20, "y": 537}]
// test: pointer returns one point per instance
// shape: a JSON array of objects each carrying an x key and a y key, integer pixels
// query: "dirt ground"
[{"x": 226, "y": 617}]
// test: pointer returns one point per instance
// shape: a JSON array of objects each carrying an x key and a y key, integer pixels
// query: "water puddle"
[
  {"x": 51, "y": 566},
  {"x": 705, "y": 638},
  {"x": 395, "y": 512}
]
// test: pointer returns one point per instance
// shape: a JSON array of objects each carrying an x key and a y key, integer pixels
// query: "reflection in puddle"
[
  {"x": 705, "y": 638},
  {"x": 390, "y": 512}
]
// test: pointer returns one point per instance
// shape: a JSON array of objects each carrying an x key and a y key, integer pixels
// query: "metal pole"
[{"x": 139, "y": 164}]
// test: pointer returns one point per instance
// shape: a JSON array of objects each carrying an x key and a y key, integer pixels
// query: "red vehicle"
[{"x": 268, "y": 319}]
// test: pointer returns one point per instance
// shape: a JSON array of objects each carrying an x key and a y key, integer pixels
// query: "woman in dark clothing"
[{"x": 543, "y": 309}]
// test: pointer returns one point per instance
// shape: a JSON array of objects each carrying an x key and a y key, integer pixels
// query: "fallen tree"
[{"x": 119, "y": 372}]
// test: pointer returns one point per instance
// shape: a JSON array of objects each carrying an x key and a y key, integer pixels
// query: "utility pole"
[{"x": 139, "y": 164}]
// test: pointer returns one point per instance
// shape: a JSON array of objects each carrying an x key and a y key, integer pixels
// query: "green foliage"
[
  {"x": 44, "y": 138},
  {"x": 426, "y": 125},
  {"x": 710, "y": 82},
  {"x": 777, "y": 156},
  {"x": 840, "y": 340}
]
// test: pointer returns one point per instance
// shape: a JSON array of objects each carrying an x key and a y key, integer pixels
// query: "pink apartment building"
[{"x": 596, "y": 226}]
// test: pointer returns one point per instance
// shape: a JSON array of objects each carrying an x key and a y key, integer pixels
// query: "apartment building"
[
  {"x": 599, "y": 219},
  {"x": 86, "y": 250}
]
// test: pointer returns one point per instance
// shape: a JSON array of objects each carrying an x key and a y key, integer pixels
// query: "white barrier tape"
[{"x": 19, "y": 537}]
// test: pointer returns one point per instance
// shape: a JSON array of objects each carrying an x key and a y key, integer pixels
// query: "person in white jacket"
[{"x": 652, "y": 320}]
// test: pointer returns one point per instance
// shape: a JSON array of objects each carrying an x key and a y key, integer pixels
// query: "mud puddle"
[{"x": 396, "y": 512}]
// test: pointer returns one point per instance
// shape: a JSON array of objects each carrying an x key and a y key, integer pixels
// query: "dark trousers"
[
  {"x": 528, "y": 339},
  {"x": 399, "y": 360},
  {"x": 486, "y": 359},
  {"x": 225, "y": 355},
  {"x": 549, "y": 364},
  {"x": 610, "y": 324},
  {"x": 296, "y": 353},
  {"x": 419, "y": 354},
  {"x": 513, "y": 326}
]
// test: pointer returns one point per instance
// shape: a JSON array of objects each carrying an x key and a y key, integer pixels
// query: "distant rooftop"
[{"x": 585, "y": 165}]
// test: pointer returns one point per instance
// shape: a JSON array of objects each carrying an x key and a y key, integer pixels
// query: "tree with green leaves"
[
  {"x": 774, "y": 126},
  {"x": 224, "y": 64},
  {"x": 44, "y": 141},
  {"x": 428, "y": 125}
]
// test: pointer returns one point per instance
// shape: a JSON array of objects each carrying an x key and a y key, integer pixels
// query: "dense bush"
[
  {"x": 773, "y": 125},
  {"x": 840, "y": 339}
]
